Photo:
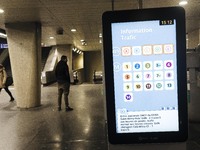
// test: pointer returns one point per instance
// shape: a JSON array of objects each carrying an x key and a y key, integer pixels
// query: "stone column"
[
  {"x": 24, "y": 44},
  {"x": 193, "y": 39}
]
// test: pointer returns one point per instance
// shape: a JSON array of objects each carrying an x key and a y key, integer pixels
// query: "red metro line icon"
[{"x": 126, "y": 51}]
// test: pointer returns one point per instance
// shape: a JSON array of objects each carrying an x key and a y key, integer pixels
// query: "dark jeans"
[
  {"x": 63, "y": 89},
  {"x": 8, "y": 91}
]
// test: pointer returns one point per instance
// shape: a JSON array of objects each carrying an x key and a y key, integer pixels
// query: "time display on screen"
[{"x": 167, "y": 22}]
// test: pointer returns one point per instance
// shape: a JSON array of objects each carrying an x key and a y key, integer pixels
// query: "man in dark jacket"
[{"x": 63, "y": 79}]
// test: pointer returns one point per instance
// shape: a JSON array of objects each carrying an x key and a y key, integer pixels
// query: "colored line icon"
[
  {"x": 126, "y": 51},
  {"x": 127, "y": 76},
  {"x": 128, "y": 97},
  {"x": 127, "y": 66},
  {"x": 157, "y": 49},
  {"x": 168, "y": 64},
  {"x": 147, "y": 50},
  {"x": 137, "y": 50},
  {"x": 147, "y": 65},
  {"x": 168, "y": 49},
  {"x": 137, "y": 66}
]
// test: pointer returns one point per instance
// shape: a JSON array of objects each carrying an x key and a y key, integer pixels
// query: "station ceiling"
[{"x": 82, "y": 15}]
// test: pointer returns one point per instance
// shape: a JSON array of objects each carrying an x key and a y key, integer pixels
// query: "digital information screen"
[
  {"x": 144, "y": 59},
  {"x": 145, "y": 75}
]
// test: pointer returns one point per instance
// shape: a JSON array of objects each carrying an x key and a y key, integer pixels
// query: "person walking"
[
  {"x": 63, "y": 80},
  {"x": 3, "y": 77}
]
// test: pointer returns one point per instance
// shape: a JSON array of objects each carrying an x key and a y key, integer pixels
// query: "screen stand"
[{"x": 166, "y": 146}]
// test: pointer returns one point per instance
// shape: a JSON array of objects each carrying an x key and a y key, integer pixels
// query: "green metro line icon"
[{"x": 159, "y": 85}]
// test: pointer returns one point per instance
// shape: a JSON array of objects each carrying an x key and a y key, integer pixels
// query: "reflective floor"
[{"x": 44, "y": 128}]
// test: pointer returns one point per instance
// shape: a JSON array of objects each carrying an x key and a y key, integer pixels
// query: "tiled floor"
[{"x": 44, "y": 128}]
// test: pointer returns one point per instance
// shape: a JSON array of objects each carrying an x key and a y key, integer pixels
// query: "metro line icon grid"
[{"x": 146, "y": 75}]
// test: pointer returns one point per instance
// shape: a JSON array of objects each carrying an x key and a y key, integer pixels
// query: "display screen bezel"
[{"x": 173, "y": 13}]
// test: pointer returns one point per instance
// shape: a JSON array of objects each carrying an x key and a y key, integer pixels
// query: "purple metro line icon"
[
  {"x": 128, "y": 97},
  {"x": 168, "y": 64}
]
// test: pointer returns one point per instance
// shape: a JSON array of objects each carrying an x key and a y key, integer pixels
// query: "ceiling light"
[
  {"x": 51, "y": 37},
  {"x": 100, "y": 35},
  {"x": 100, "y": 41},
  {"x": 84, "y": 43},
  {"x": 73, "y": 30},
  {"x": 3, "y": 35},
  {"x": 1, "y": 11},
  {"x": 183, "y": 2}
]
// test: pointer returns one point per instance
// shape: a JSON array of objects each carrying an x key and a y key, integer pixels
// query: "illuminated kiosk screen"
[
  {"x": 145, "y": 75},
  {"x": 146, "y": 92}
]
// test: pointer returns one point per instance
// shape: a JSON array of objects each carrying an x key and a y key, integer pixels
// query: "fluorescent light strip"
[{"x": 184, "y": 2}]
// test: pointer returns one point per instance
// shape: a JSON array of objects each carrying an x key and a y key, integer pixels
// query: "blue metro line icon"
[{"x": 137, "y": 66}]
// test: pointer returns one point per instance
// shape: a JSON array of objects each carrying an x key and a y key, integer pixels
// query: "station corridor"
[{"x": 45, "y": 128}]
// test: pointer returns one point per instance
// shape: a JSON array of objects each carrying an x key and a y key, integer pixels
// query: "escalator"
[
  {"x": 45, "y": 54},
  {"x": 47, "y": 74}
]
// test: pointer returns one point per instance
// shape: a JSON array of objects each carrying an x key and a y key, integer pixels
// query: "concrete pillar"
[
  {"x": 193, "y": 64},
  {"x": 193, "y": 39},
  {"x": 24, "y": 43}
]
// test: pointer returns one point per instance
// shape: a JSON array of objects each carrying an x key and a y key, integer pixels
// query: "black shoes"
[
  {"x": 69, "y": 108},
  {"x": 59, "y": 109},
  {"x": 12, "y": 99}
]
